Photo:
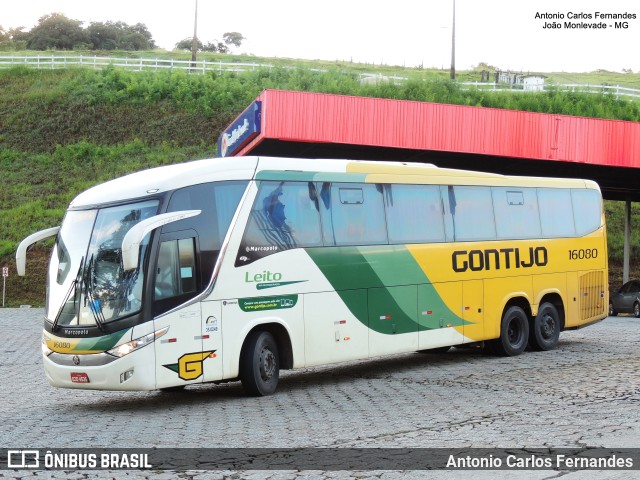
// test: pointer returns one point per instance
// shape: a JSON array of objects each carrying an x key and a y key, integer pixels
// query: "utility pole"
[
  {"x": 453, "y": 43},
  {"x": 194, "y": 40}
]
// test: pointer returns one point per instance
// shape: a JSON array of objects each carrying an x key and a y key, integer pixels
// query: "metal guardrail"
[
  {"x": 55, "y": 62},
  {"x": 203, "y": 66},
  {"x": 616, "y": 90}
]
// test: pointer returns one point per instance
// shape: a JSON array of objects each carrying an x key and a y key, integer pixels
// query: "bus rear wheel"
[
  {"x": 514, "y": 333},
  {"x": 545, "y": 328},
  {"x": 260, "y": 364}
]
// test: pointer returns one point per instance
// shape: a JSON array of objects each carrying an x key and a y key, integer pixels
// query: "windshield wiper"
[
  {"x": 72, "y": 288},
  {"x": 94, "y": 305}
]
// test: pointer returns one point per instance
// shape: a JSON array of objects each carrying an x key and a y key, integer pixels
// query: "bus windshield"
[{"x": 87, "y": 283}]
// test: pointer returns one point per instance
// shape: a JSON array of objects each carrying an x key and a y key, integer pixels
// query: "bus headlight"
[{"x": 127, "y": 348}]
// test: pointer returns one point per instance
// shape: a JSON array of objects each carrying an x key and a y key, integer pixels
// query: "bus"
[{"x": 235, "y": 268}]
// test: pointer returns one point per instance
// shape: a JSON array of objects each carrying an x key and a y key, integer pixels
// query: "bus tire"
[
  {"x": 260, "y": 364},
  {"x": 514, "y": 333},
  {"x": 545, "y": 328},
  {"x": 612, "y": 310}
]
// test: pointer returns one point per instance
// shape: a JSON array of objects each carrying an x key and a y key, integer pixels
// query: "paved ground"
[{"x": 584, "y": 393}]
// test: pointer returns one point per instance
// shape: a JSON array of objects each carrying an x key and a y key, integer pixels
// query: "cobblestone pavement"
[{"x": 584, "y": 393}]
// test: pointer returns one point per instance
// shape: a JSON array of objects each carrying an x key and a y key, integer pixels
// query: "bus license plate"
[{"x": 80, "y": 378}]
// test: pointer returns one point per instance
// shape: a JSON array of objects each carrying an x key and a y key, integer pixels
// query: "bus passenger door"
[
  {"x": 179, "y": 352},
  {"x": 473, "y": 309}
]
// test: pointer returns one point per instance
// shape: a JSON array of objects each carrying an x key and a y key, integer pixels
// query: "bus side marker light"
[
  {"x": 346, "y": 339},
  {"x": 124, "y": 376},
  {"x": 213, "y": 355},
  {"x": 385, "y": 317}
]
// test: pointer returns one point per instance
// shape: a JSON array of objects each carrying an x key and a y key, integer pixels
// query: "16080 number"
[{"x": 583, "y": 253}]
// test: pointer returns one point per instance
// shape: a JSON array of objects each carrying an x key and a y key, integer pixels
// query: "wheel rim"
[
  {"x": 514, "y": 332},
  {"x": 547, "y": 326},
  {"x": 268, "y": 364},
  {"x": 636, "y": 310}
]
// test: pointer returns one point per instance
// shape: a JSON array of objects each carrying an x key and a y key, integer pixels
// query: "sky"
[{"x": 503, "y": 33}]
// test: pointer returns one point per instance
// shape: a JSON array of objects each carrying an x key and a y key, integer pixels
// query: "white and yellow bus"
[{"x": 235, "y": 268}]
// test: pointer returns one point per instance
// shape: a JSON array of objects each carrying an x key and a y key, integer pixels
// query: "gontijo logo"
[{"x": 493, "y": 259}]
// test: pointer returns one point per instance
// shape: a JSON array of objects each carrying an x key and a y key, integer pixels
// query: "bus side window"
[
  {"x": 176, "y": 269},
  {"x": 468, "y": 213},
  {"x": 414, "y": 214},
  {"x": 284, "y": 216},
  {"x": 357, "y": 214},
  {"x": 587, "y": 210},
  {"x": 556, "y": 212},
  {"x": 516, "y": 212}
]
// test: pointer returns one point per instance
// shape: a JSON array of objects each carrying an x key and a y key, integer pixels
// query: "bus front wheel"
[
  {"x": 514, "y": 333},
  {"x": 545, "y": 328},
  {"x": 260, "y": 364}
]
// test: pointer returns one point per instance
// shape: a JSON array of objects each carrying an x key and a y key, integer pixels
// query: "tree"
[
  {"x": 112, "y": 35},
  {"x": 186, "y": 43},
  {"x": 103, "y": 36},
  {"x": 233, "y": 38},
  {"x": 18, "y": 34},
  {"x": 58, "y": 32},
  {"x": 3, "y": 35},
  {"x": 215, "y": 46},
  {"x": 144, "y": 35}
]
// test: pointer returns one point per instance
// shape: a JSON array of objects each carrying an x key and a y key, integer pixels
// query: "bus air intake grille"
[{"x": 591, "y": 298}]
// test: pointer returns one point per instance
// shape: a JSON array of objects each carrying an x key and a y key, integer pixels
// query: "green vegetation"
[{"x": 62, "y": 131}]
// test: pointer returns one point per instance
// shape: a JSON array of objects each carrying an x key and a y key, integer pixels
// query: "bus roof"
[{"x": 161, "y": 179}]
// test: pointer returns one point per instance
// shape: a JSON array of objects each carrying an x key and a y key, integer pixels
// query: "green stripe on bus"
[
  {"x": 396, "y": 285},
  {"x": 101, "y": 344}
]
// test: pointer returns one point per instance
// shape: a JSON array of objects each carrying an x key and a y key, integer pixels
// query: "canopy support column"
[{"x": 627, "y": 241}]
